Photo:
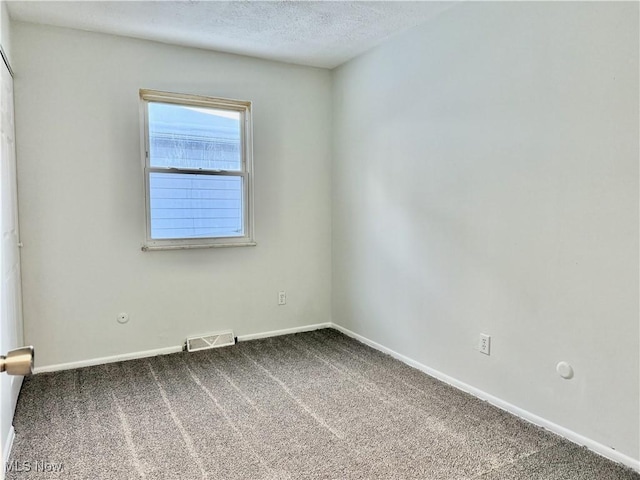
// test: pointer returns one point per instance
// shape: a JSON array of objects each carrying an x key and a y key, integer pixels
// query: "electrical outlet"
[
  {"x": 485, "y": 344},
  {"x": 282, "y": 298}
]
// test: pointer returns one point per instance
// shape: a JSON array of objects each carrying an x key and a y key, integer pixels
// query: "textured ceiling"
[{"x": 320, "y": 33}]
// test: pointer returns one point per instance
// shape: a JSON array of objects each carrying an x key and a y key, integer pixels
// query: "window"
[{"x": 197, "y": 171}]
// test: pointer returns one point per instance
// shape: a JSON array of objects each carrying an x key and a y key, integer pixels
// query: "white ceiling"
[{"x": 317, "y": 33}]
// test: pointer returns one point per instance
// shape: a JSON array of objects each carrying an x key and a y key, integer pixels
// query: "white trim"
[
  {"x": 8, "y": 446},
  {"x": 285, "y": 331},
  {"x": 150, "y": 248},
  {"x": 592, "y": 445},
  {"x": 115, "y": 358},
  {"x": 168, "y": 350},
  {"x": 6, "y": 61},
  {"x": 18, "y": 379}
]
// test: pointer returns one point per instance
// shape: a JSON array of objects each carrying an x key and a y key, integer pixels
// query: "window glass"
[
  {"x": 194, "y": 137},
  {"x": 195, "y": 206}
]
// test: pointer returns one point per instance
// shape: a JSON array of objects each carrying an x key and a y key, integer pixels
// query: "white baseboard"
[
  {"x": 284, "y": 331},
  {"x": 574, "y": 437},
  {"x": 102, "y": 360},
  {"x": 168, "y": 350}
]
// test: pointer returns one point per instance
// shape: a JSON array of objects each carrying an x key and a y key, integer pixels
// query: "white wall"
[
  {"x": 81, "y": 198},
  {"x": 485, "y": 179}
]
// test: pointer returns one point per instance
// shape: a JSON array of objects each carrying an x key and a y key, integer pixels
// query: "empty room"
[{"x": 320, "y": 240}]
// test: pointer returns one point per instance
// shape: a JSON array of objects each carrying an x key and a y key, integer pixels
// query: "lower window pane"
[{"x": 195, "y": 206}]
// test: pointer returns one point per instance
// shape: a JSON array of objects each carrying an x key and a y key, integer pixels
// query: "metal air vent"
[{"x": 210, "y": 340}]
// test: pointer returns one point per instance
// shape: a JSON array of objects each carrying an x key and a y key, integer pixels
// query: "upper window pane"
[{"x": 194, "y": 137}]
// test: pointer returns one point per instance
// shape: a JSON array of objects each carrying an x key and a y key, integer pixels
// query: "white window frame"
[{"x": 244, "y": 109}]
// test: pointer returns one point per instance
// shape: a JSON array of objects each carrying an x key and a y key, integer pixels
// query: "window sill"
[{"x": 147, "y": 248}]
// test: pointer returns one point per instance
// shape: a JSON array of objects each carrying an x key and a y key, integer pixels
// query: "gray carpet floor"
[{"x": 314, "y": 405}]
